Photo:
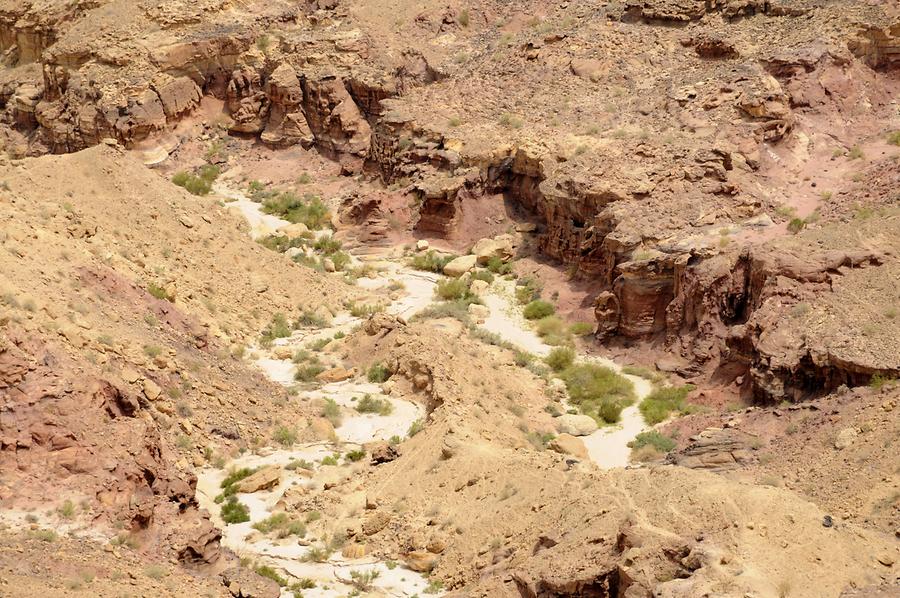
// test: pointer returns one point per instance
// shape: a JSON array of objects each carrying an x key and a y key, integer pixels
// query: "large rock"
[
  {"x": 297, "y": 229},
  {"x": 567, "y": 444},
  {"x": 421, "y": 561},
  {"x": 576, "y": 425},
  {"x": 337, "y": 374},
  {"x": 460, "y": 265},
  {"x": 287, "y": 124},
  {"x": 499, "y": 247},
  {"x": 264, "y": 479}
]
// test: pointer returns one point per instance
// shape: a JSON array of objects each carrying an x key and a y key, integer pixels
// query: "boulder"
[
  {"x": 376, "y": 522},
  {"x": 382, "y": 452},
  {"x": 335, "y": 375},
  {"x": 845, "y": 438},
  {"x": 152, "y": 390},
  {"x": 576, "y": 425},
  {"x": 500, "y": 247},
  {"x": 420, "y": 561},
  {"x": 422, "y": 245},
  {"x": 297, "y": 229},
  {"x": 460, "y": 265},
  {"x": 321, "y": 428},
  {"x": 479, "y": 287},
  {"x": 566, "y": 444},
  {"x": 354, "y": 551},
  {"x": 264, "y": 479}
]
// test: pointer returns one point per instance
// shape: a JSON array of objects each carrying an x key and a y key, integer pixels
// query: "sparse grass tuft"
[
  {"x": 285, "y": 436},
  {"x": 378, "y": 373},
  {"x": 451, "y": 289},
  {"x": 368, "y": 404}
]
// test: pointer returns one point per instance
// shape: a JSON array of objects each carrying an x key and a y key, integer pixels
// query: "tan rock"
[
  {"x": 500, "y": 247},
  {"x": 845, "y": 438},
  {"x": 264, "y": 479},
  {"x": 420, "y": 561},
  {"x": 297, "y": 229},
  {"x": 151, "y": 390},
  {"x": 422, "y": 245},
  {"x": 567, "y": 444},
  {"x": 337, "y": 374},
  {"x": 354, "y": 551},
  {"x": 460, "y": 265},
  {"x": 322, "y": 429},
  {"x": 376, "y": 522},
  {"x": 131, "y": 376},
  {"x": 576, "y": 425}
]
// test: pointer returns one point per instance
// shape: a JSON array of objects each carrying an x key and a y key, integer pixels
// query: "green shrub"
[
  {"x": 193, "y": 184},
  {"x": 278, "y": 328},
  {"x": 657, "y": 406},
  {"x": 340, "y": 259},
  {"x": 281, "y": 243},
  {"x": 553, "y": 331},
  {"x": 463, "y": 18},
  {"x": 356, "y": 455},
  {"x": 522, "y": 358},
  {"x": 416, "y": 427},
  {"x": 282, "y": 525},
  {"x": 363, "y": 310},
  {"x": 642, "y": 372},
  {"x": 310, "y": 210},
  {"x": 538, "y": 309},
  {"x": 285, "y": 436},
  {"x": 308, "y": 372},
  {"x": 598, "y": 391},
  {"x": 877, "y": 381},
  {"x": 560, "y": 358},
  {"x": 159, "y": 292},
  {"x": 332, "y": 412},
  {"x": 528, "y": 289},
  {"x": 229, "y": 484},
  {"x": 450, "y": 289},
  {"x": 894, "y": 138},
  {"x": 458, "y": 309},
  {"x": 67, "y": 510},
  {"x": 329, "y": 460},
  {"x": 234, "y": 512},
  {"x": 498, "y": 266},
  {"x": 653, "y": 438},
  {"x": 430, "y": 261},
  {"x": 581, "y": 328},
  {"x": 796, "y": 225},
  {"x": 484, "y": 275},
  {"x": 327, "y": 245},
  {"x": 368, "y": 404},
  {"x": 378, "y": 373}
]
